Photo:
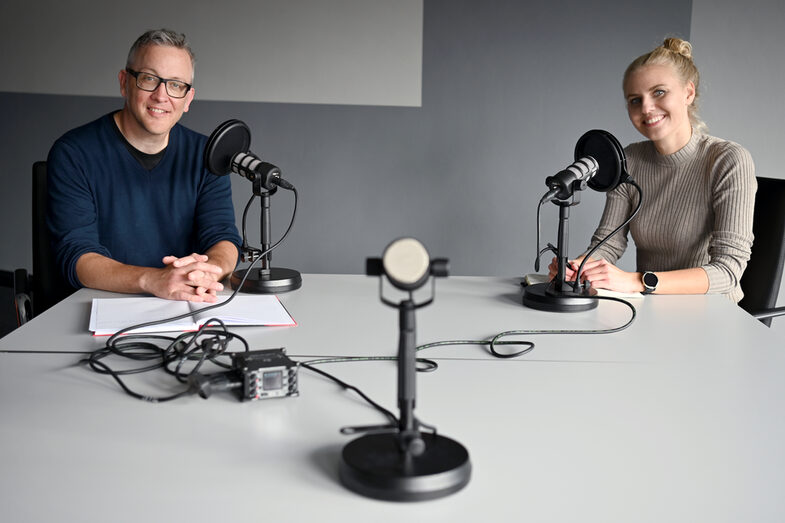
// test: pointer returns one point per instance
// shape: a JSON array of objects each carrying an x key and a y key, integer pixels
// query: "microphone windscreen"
[
  {"x": 606, "y": 149},
  {"x": 406, "y": 263},
  {"x": 228, "y": 139}
]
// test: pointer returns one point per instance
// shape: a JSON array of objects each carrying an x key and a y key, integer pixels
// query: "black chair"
[
  {"x": 46, "y": 286},
  {"x": 762, "y": 278}
]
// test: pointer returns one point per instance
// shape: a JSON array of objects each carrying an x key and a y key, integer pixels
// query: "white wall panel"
[{"x": 365, "y": 52}]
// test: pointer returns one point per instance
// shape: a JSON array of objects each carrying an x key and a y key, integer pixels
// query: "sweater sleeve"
[
  {"x": 71, "y": 210},
  {"x": 733, "y": 187},
  {"x": 215, "y": 213}
]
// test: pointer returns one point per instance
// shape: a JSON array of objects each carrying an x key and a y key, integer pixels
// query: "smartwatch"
[{"x": 650, "y": 281}]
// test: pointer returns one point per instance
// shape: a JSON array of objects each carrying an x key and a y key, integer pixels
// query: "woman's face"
[{"x": 657, "y": 103}]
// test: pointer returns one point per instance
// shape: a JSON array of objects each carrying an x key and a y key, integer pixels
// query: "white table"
[{"x": 681, "y": 417}]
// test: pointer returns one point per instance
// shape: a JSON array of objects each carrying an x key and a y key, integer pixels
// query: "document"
[{"x": 109, "y": 315}]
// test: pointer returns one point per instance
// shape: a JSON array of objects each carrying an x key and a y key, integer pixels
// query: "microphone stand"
[
  {"x": 399, "y": 463},
  {"x": 409, "y": 438},
  {"x": 265, "y": 279},
  {"x": 559, "y": 295}
]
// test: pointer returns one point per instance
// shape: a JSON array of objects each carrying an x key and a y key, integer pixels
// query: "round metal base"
[
  {"x": 542, "y": 296},
  {"x": 267, "y": 281},
  {"x": 374, "y": 466}
]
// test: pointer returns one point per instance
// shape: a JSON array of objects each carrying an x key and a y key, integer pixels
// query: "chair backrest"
[
  {"x": 49, "y": 287},
  {"x": 761, "y": 279}
]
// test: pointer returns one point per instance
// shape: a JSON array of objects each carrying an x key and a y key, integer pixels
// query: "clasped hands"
[
  {"x": 602, "y": 275},
  {"x": 190, "y": 278}
]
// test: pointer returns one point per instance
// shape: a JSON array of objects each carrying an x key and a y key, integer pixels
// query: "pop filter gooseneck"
[{"x": 227, "y": 151}]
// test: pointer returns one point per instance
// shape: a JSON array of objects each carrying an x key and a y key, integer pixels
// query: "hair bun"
[{"x": 677, "y": 45}]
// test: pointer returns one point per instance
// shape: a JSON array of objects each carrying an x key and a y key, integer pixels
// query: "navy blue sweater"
[{"x": 102, "y": 200}]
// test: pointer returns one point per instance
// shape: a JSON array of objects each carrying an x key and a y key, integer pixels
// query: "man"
[{"x": 132, "y": 208}]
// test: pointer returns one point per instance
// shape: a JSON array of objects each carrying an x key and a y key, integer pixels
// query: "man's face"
[{"x": 155, "y": 113}]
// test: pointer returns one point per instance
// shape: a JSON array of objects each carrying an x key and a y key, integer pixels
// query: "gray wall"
[
  {"x": 743, "y": 74},
  {"x": 507, "y": 88}
]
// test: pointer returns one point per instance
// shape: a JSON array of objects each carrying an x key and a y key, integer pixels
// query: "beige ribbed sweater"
[{"x": 697, "y": 211}]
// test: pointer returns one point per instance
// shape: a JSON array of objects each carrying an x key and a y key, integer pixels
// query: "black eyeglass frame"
[{"x": 164, "y": 81}]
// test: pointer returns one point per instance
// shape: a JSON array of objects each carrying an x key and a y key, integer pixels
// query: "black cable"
[
  {"x": 539, "y": 252},
  {"x": 626, "y": 222},
  {"x": 243, "y": 227},
  {"x": 494, "y": 342},
  {"x": 390, "y": 416},
  {"x": 180, "y": 350}
]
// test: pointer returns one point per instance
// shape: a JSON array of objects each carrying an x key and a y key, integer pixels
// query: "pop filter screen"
[
  {"x": 606, "y": 149},
  {"x": 228, "y": 139}
]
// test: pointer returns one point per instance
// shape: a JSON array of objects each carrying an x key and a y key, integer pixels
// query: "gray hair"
[{"x": 165, "y": 37}]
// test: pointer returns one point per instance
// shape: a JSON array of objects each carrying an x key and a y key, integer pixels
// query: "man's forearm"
[
  {"x": 99, "y": 272},
  {"x": 193, "y": 277},
  {"x": 223, "y": 254}
]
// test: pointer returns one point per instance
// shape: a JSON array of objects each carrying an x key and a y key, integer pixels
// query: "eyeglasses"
[{"x": 150, "y": 82}]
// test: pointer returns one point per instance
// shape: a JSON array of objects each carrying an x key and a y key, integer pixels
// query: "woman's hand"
[
  {"x": 605, "y": 275},
  {"x": 569, "y": 270}
]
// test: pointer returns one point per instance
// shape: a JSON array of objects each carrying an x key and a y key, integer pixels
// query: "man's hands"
[
  {"x": 190, "y": 278},
  {"x": 194, "y": 277}
]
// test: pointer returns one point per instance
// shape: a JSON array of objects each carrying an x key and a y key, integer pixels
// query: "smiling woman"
[
  {"x": 693, "y": 233},
  {"x": 661, "y": 89}
]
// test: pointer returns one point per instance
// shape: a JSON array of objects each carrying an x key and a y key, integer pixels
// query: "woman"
[{"x": 693, "y": 233}]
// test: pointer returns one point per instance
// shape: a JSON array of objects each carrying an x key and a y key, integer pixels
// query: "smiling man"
[{"x": 131, "y": 207}]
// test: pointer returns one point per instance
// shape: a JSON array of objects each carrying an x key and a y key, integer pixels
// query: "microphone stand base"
[
  {"x": 543, "y": 297},
  {"x": 267, "y": 281},
  {"x": 374, "y": 466}
]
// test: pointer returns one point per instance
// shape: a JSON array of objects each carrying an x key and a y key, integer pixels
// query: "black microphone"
[
  {"x": 249, "y": 165},
  {"x": 227, "y": 151},
  {"x": 574, "y": 177}
]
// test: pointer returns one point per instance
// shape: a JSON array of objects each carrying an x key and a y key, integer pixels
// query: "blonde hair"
[{"x": 676, "y": 53}]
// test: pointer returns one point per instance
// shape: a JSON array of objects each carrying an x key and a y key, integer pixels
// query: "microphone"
[
  {"x": 574, "y": 177},
  {"x": 227, "y": 151},
  {"x": 600, "y": 164},
  {"x": 400, "y": 461},
  {"x": 250, "y": 166}
]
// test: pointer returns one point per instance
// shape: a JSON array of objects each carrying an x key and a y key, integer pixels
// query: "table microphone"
[
  {"x": 227, "y": 151},
  {"x": 401, "y": 462},
  {"x": 600, "y": 164},
  {"x": 563, "y": 183}
]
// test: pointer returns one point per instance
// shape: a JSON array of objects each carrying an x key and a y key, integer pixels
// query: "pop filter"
[
  {"x": 228, "y": 139},
  {"x": 606, "y": 149}
]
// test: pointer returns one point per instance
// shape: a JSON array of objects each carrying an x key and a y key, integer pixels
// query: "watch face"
[{"x": 650, "y": 280}]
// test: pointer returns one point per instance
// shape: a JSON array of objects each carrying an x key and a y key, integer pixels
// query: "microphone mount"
[{"x": 564, "y": 185}]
